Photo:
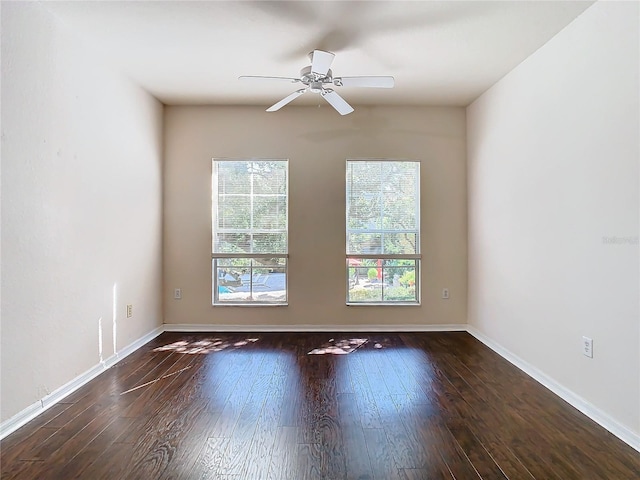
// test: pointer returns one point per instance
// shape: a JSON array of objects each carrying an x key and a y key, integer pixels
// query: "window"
[
  {"x": 250, "y": 219},
  {"x": 383, "y": 232}
]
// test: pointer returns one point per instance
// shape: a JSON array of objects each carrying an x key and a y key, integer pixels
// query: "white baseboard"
[
  {"x": 184, "y": 327},
  {"x": 32, "y": 411},
  {"x": 603, "y": 419}
]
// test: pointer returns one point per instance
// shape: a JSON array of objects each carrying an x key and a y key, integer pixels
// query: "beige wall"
[
  {"x": 317, "y": 141},
  {"x": 81, "y": 208},
  {"x": 553, "y": 212}
]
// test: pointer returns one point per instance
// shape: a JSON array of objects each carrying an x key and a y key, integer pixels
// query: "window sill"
[
  {"x": 396, "y": 304},
  {"x": 250, "y": 305}
]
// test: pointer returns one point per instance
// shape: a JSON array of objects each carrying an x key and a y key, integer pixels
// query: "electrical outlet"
[
  {"x": 445, "y": 293},
  {"x": 587, "y": 347},
  {"x": 177, "y": 294},
  {"x": 129, "y": 311}
]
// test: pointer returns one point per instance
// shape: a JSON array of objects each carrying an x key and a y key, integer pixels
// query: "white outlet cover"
[{"x": 587, "y": 347}]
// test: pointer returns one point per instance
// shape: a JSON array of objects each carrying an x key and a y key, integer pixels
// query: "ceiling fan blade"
[
  {"x": 321, "y": 61},
  {"x": 285, "y": 100},
  {"x": 367, "y": 81},
  {"x": 261, "y": 77},
  {"x": 337, "y": 102}
]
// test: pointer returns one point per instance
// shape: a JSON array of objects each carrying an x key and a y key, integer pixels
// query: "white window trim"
[
  {"x": 382, "y": 256},
  {"x": 216, "y": 256}
]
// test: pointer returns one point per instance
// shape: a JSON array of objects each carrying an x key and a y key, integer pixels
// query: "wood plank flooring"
[{"x": 258, "y": 406}]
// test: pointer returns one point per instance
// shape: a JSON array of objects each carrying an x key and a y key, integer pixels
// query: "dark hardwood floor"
[{"x": 259, "y": 406}]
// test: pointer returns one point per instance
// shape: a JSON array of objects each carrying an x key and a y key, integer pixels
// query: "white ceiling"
[{"x": 440, "y": 52}]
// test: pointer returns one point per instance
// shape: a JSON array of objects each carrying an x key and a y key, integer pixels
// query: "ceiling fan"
[{"x": 318, "y": 78}]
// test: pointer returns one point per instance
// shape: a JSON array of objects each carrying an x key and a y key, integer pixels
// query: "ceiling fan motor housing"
[{"x": 314, "y": 81}]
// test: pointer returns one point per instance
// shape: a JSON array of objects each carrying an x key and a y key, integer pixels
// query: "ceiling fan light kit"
[{"x": 318, "y": 78}]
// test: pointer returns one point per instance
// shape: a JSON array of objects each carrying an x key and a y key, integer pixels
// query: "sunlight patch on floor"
[
  {"x": 207, "y": 345},
  {"x": 339, "y": 347}
]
